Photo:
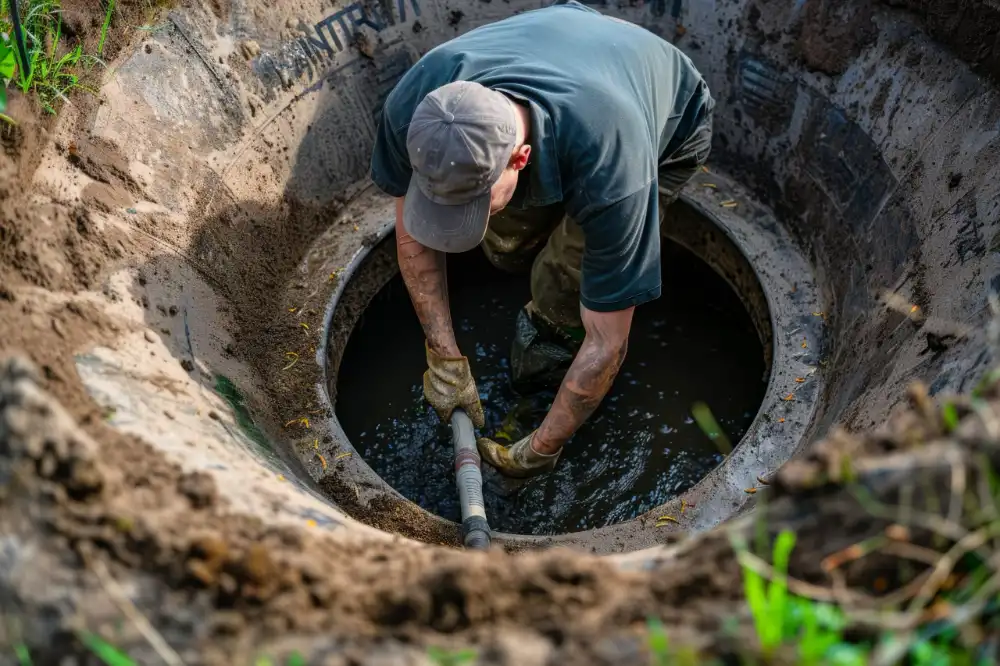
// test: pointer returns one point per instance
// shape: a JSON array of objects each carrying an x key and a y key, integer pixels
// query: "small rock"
[
  {"x": 214, "y": 415},
  {"x": 258, "y": 566},
  {"x": 250, "y": 49},
  {"x": 149, "y": 335},
  {"x": 164, "y": 331},
  {"x": 198, "y": 487},
  {"x": 173, "y": 310},
  {"x": 58, "y": 328},
  {"x": 168, "y": 414},
  {"x": 187, "y": 365}
]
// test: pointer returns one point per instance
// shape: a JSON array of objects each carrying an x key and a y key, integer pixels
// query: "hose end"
[{"x": 476, "y": 533}]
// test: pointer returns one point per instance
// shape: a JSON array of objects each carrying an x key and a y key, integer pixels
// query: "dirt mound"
[{"x": 221, "y": 587}]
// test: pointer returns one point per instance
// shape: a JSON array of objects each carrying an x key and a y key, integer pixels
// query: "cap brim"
[{"x": 442, "y": 227}]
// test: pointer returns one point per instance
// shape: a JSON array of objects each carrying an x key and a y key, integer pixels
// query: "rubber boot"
[{"x": 541, "y": 353}]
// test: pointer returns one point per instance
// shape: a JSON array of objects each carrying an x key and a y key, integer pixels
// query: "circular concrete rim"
[{"x": 792, "y": 301}]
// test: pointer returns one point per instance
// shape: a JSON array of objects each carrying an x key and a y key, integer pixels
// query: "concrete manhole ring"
[{"x": 741, "y": 242}]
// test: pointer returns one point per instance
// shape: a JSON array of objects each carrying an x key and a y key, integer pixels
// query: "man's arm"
[
  {"x": 426, "y": 279},
  {"x": 589, "y": 377}
]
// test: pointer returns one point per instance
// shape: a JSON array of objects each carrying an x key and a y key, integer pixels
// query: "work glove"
[
  {"x": 448, "y": 384},
  {"x": 517, "y": 460}
]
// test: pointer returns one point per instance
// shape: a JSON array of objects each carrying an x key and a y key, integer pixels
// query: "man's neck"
[{"x": 523, "y": 122}]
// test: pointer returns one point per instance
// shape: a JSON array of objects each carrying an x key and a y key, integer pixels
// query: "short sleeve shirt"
[{"x": 607, "y": 99}]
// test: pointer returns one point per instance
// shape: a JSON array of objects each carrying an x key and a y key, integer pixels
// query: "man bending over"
[{"x": 550, "y": 138}]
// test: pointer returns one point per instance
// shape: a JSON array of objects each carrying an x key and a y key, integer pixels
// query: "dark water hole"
[{"x": 639, "y": 449}]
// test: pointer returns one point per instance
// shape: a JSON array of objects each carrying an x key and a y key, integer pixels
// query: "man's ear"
[{"x": 519, "y": 159}]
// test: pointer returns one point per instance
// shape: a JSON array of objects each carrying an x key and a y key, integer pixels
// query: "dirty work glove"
[
  {"x": 517, "y": 460},
  {"x": 448, "y": 384}
]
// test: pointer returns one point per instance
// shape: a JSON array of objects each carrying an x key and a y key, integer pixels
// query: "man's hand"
[
  {"x": 448, "y": 382},
  {"x": 589, "y": 377},
  {"x": 518, "y": 460}
]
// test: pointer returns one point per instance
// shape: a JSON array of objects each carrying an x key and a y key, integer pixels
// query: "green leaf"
[
  {"x": 296, "y": 658},
  {"x": 21, "y": 650},
  {"x": 949, "y": 414},
  {"x": 778, "y": 589},
  {"x": 456, "y": 658},
  {"x": 753, "y": 588},
  {"x": 8, "y": 63},
  {"x": 658, "y": 641},
  {"x": 3, "y": 99},
  {"x": 106, "y": 652}
]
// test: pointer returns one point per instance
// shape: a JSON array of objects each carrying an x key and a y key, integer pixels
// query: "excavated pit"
[
  {"x": 641, "y": 448},
  {"x": 863, "y": 165}
]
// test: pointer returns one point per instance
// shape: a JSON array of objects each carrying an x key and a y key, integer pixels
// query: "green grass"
[
  {"x": 107, "y": 653},
  {"x": 52, "y": 70},
  {"x": 104, "y": 27},
  {"x": 452, "y": 658}
]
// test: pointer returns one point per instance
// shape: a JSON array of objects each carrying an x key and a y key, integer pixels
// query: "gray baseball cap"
[{"x": 460, "y": 140}]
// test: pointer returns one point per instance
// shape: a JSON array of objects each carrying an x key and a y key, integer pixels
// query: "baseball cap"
[{"x": 460, "y": 140}]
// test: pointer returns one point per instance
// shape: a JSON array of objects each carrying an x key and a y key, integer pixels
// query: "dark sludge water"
[{"x": 640, "y": 448}]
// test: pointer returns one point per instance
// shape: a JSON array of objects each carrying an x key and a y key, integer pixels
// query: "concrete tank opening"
[
  {"x": 850, "y": 202},
  {"x": 697, "y": 343}
]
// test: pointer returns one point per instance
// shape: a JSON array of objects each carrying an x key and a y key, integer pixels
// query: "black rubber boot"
[{"x": 541, "y": 354}]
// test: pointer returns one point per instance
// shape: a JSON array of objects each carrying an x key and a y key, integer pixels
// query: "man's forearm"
[
  {"x": 424, "y": 274},
  {"x": 586, "y": 383}
]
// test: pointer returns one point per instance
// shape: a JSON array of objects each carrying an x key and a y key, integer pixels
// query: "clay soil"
[{"x": 101, "y": 534}]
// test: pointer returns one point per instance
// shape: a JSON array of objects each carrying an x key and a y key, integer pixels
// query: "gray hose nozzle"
[{"x": 475, "y": 528}]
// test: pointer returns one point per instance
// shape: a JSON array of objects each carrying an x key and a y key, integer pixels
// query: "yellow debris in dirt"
[
  {"x": 294, "y": 357},
  {"x": 292, "y": 309},
  {"x": 304, "y": 325},
  {"x": 800, "y": 380},
  {"x": 684, "y": 505},
  {"x": 302, "y": 421},
  {"x": 789, "y": 397},
  {"x": 311, "y": 523},
  {"x": 322, "y": 460},
  {"x": 356, "y": 227},
  {"x": 340, "y": 456},
  {"x": 750, "y": 491},
  {"x": 712, "y": 185},
  {"x": 729, "y": 203},
  {"x": 781, "y": 420},
  {"x": 281, "y": 477},
  {"x": 805, "y": 344},
  {"x": 762, "y": 481},
  {"x": 316, "y": 444},
  {"x": 670, "y": 519},
  {"x": 914, "y": 309},
  {"x": 705, "y": 169}
]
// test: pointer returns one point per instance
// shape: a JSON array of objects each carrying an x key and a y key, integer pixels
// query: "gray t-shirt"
[{"x": 607, "y": 99}]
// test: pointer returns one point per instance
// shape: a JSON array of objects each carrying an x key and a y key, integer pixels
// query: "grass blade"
[
  {"x": 104, "y": 651},
  {"x": 105, "y": 26},
  {"x": 706, "y": 421}
]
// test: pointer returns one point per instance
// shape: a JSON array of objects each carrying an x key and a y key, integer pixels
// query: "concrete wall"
[{"x": 874, "y": 147}]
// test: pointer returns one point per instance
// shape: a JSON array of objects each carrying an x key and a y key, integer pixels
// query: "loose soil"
[{"x": 87, "y": 512}]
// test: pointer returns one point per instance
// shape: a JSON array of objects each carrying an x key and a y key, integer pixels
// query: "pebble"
[{"x": 150, "y": 336}]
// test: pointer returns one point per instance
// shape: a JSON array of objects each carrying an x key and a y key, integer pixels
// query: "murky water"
[{"x": 639, "y": 449}]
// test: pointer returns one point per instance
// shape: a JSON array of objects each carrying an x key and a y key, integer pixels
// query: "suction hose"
[{"x": 475, "y": 529}]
